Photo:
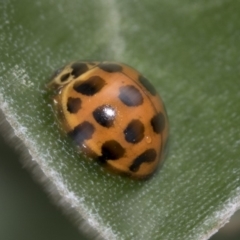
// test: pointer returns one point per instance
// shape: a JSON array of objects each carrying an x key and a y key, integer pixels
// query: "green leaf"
[{"x": 190, "y": 51}]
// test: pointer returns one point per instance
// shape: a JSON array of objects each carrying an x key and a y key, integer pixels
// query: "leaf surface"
[{"x": 190, "y": 51}]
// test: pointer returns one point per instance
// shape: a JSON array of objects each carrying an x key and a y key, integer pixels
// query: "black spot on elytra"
[
  {"x": 64, "y": 77},
  {"x": 149, "y": 87},
  {"x": 73, "y": 104},
  {"x": 146, "y": 157},
  {"x": 104, "y": 115},
  {"x": 78, "y": 69},
  {"x": 158, "y": 123},
  {"x": 110, "y": 67},
  {"x": 90, "y": 86},
  {"x": 82, "y": 132},
  {"x": 130, "y": 96},
  {"x": 111, "y": 150},
  {"x": 134, "y": 132}
]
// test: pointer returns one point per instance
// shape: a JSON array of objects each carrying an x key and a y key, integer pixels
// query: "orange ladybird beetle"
[{"x": 114, "y": 114}]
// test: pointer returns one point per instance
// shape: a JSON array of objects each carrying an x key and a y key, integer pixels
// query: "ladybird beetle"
[{"x": 114, "y": 114}]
